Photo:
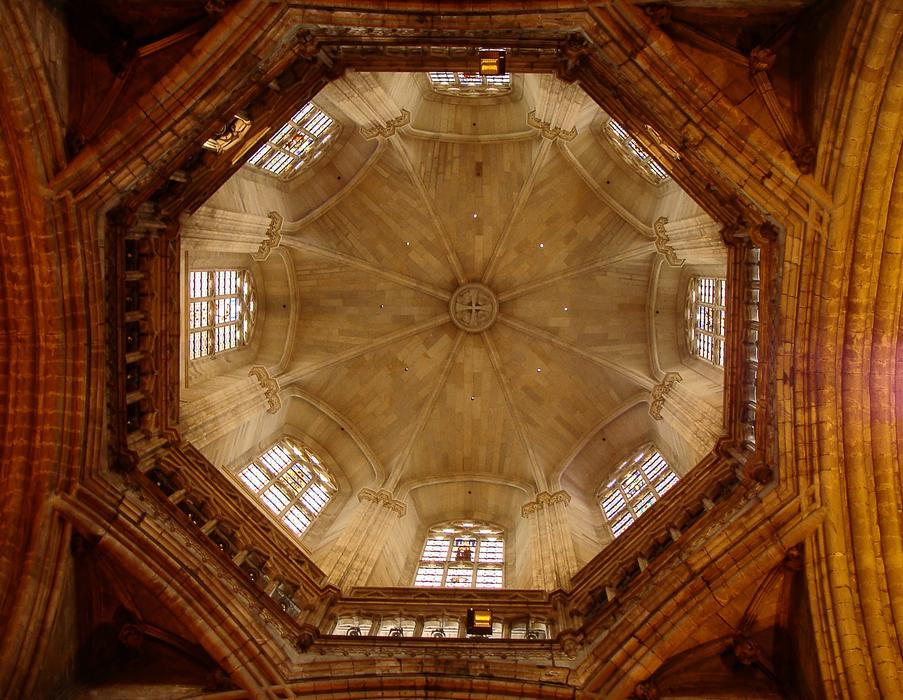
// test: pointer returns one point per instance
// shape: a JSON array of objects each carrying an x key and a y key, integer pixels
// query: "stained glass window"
[
  {"x": 470, "y": 84},
  {"x": 462, "y": 554},
  {"x": 221, "y": 310},
  {"x": 298, "y": 143},
  {"x": 706, "y": 302},
  {"x": 634, "y": 154},
  {"x": 637, "y": 483},
  {"x": 291, "y": 482}
]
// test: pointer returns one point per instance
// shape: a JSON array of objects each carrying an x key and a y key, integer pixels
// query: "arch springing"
[
  {"x": 638, "y": 482},
  {"x": 462, "y": 554}
]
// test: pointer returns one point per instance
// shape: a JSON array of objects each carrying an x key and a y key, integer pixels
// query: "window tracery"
[
  {"x": 469, "y": 84},
  {"x": 299, "y": 143},
  {"x": 462, "y": 554},
  {"x": 290, "y": 481},
  {"x": 637, "y": 483},
  {"x": 221, "y": 311},
  {"x": 634, "y": 154},
  {"x": 705, "y": 310}
]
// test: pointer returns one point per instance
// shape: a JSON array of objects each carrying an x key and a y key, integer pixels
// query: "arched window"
[
  {"x": 636, "y": 484},
  {"x": 705, "y": 309},
  {"x": 300, "y": 142},
  {"x": 462, "y": 554},
  {"x": 292, "y": 482},
  {"x": 634, "y": 154},
  {"x": 470, "y": 84},
  {"x": 221, "y": 309}
]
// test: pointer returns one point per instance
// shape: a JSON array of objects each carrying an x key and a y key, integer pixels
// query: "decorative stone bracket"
[
  {"x": 549, "y": 131},
  {"x": 273, "y": 237},
  {"x": 663, "y": 244},
  {"x": 660, "y": 391},
  {"x": 269, "y": 386},
  {"x": 383, "y": 499},
  {"x": 371, "y": 132},
  {"x": 543, "y": 500}
]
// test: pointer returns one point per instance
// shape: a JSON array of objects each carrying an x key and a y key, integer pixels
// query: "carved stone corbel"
[
  {"x": 269, "y": 386},
  {"x": 383, "y": 499},
  {"x": 660, "y": 391},
  {"x": 272, "y": 239},
  {"x": 389, "y": 129},
  {"x": 548, "y": 131},
  {"x": 572, "y": 56},
  {"x": 662, "y": 243}
]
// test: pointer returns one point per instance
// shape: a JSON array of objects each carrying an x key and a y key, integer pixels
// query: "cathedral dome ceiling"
[{"x": 470, "y": 295}]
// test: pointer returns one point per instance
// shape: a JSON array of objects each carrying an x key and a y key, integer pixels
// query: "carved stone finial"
[
  {"x": 306, "y": 44},
  {"x": 746, "y": 650},
  {"x": 269, "y": 386},
  {"x": 757, "y": 469},
  {"x": 691, "y": 136},
  {"x": 659, "y": 14},
  {"x": 131, "y": 636},
  {"x": 305, "y": 640},
  {"x": 273, "y": 237},
  {"x": 793, "y": 559},
  {"x": 389, "y": 129},
  {"x": 736, "y": 231},
  {"x": 548, "y": 131},
  {"x": 804, "y": 157},
  {"x": 571, "y": 56},
  {"x": 662, "y": 243},
  {"x": 217, "y": 7},
  {"x": 660, "y": 391},
  {"x": 761, "y": 59},
  {"x": 645, "y": 691}
]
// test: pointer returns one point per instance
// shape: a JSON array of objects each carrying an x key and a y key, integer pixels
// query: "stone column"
[
  {"x": 363, "y": 540},
  {"x": 554, "y": 561}
]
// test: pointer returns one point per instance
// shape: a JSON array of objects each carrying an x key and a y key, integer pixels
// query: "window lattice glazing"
[
  {"x": 462, "y": 554},
  {"x": 706, "y": 322},
  {"x": 221, "y": 309},
  {"x": 291, "y": 481},
  {"x": 300, "y": 142},
  {"x": 470, "y": 84},
  {"x": 634, "y": 154},
  {"x": 638, "y": 483}
]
